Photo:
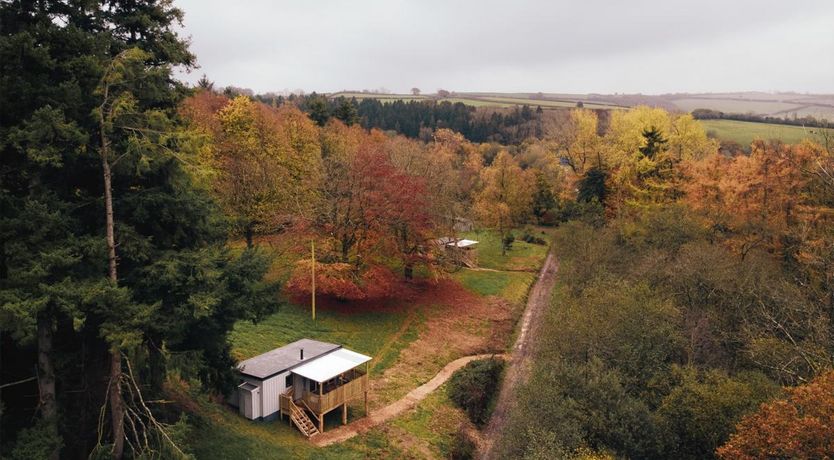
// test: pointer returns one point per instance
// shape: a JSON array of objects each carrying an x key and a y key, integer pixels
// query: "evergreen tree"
[
  {"x": 87, "y": 92},
  {"x": 543, "y": 199},
  {"x": 592, "y": 186},
  {"x": 655, "y": 143},
  {"x": 318, "y": 111},
  {"x": 347, "y": 112}
]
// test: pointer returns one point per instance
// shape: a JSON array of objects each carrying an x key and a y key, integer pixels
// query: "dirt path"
[
  {"x": 390, "y": 411},
  {"x": 520, "y": 363}
]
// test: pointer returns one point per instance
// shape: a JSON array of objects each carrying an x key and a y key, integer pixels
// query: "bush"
[
  {"x": 508, "y": 241},
  {"x": 474, "y": 387},
  {"x": 463, "y": 447},
  {"x": 532, "y": 239}
]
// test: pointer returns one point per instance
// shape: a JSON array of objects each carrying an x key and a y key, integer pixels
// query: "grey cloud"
[{"x": 579, "y": 46}]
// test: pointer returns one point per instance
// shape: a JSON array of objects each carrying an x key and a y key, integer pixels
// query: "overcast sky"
[{"x": 576, "y": 46}]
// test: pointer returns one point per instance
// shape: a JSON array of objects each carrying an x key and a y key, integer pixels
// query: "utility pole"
[{"x": 313, "y": 290}]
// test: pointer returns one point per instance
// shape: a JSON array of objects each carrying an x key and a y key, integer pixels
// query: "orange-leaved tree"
[{"x": 801, "y": 426}]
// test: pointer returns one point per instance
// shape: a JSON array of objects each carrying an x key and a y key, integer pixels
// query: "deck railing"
[{"x": 338, "y": 395}]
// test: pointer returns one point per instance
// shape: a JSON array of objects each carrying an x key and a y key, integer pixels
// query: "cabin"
[
  {"x": 303, "y": 380},
  {"x": 462, "y": 251}
]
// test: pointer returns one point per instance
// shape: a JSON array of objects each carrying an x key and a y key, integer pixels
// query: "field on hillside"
[
  {"x": 499, "y": 100},
  {"x": 734, "y": 106},
  {"x": 745, "y": 132},
  {"x": 411, "y": 338}
]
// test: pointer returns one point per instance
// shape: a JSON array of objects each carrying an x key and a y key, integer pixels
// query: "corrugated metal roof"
[
  {"x": 331, "y": 365},
  {"x": 283, "y": 358}
]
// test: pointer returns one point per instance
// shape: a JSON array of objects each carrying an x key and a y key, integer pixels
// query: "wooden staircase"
[{"x": 301, "y": 419}]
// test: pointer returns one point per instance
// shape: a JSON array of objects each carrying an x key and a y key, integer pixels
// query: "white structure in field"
[{"x": 306, "y": 376}]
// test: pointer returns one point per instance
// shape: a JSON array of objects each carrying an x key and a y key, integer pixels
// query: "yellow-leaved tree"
[
  {"x": 505, "y": 196},
  {"x": 646, "y": 146},
  {"x": 263, "y": 164},
  {"x": 578, "y": 142}
]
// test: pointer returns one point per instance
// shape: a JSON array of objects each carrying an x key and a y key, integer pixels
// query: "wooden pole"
[
  {"x": 368, "y": 377},
  {"x": 313, "y": 294},
  {"x": 344, "y": 414},
  {"x": 321, "y": 416}
]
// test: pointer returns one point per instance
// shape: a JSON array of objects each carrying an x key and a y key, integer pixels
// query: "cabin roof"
[
  {"x": 449, "y": 241},
  {"x": 284, "y": 358},
  {"x": 331, "y": 365}
]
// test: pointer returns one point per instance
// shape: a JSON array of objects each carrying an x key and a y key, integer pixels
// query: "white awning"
[
  {"x": 330, "y": 365},
  {"x": 449, "y": 241}
]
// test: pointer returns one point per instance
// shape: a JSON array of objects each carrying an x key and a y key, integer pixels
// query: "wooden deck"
[{"x": 331, "y": 395}]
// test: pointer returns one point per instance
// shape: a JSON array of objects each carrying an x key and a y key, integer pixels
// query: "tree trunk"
[
  {"x": 250, "y": 235},
  {"x": 408, "y": 270},
  {"x": 46, "y": 376},
  {"x": 117, "y": 411}
]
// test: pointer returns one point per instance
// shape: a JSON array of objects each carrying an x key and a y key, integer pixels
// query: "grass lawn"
[
  {"x": 745, "y": 132},
  {"x": 522, "y": 256},
  {"x": 365, "y": 332},
  {"x": 433, "y": 423}
]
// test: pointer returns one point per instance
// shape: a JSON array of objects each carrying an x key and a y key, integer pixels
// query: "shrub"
[
  {"x": 532, "y": 239},
  {"x": 463, "y": 447},
  {"x": 473, "y": 388},
  {"x": 508, "y": 241}
]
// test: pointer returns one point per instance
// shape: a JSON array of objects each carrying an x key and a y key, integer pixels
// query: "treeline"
[
  {"x": 807, "y": 121},
  {"x": 418, "y": 119},
  {"x": 703, "y": 291}
]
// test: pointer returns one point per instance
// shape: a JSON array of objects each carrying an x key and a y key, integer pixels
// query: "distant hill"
[{"x": 782, "y": 105}]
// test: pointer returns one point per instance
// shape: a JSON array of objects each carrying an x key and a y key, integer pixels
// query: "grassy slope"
[
  {"x": 745, "y": 132},
  {"x": 221, "y": 433},
  {"x": 733, "y": 106}
]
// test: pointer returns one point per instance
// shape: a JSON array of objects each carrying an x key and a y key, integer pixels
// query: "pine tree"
[
  {"x": 347, "y": 112},
  {"x": 654, "y": 143},
  {"x": 60, "y": 65},
  {"x": 318, "y": 111}
]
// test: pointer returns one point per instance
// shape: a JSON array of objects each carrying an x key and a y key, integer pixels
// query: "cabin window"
[
  {"x": 314, "y": 386},
  {"x": 288, "y": 381}
]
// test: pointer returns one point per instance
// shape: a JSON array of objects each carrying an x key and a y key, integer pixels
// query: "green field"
[
  {"x": 734, "y": 106},
  {"x": 745, "y": 132},
  {"x": 545, "y": 103}
]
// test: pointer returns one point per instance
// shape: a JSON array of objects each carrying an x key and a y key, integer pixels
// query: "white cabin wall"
[
  {"x": 257, "y": 403},
  {"x": 271, "y": 392}
]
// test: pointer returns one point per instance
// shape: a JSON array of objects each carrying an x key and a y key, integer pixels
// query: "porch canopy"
[{"x": 331, "y": 365}]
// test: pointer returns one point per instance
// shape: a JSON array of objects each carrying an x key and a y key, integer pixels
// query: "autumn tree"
[
  {"x": 755, "y": 199},
  {"x": 263, "y": 164},
  {"x": 505, "y": 197},
  {"x": 800, "y": 426},
  {"x": 578, "y": 141}
]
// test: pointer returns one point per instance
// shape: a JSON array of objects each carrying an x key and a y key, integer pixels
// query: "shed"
[
  {"x": 462, "y": 251},
  {"x": 270, "y": 374},
  {"x": 304, "y": 378}
]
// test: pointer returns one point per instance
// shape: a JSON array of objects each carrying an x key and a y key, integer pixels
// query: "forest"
[{"x": 692, "y": 316}]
